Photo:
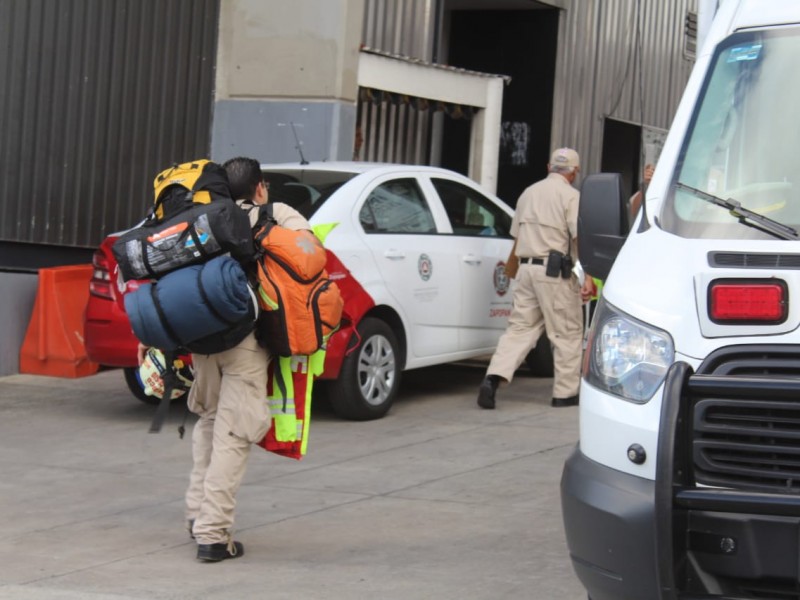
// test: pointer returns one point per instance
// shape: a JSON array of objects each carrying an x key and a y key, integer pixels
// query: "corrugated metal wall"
[
  {"x": 600, "y": 69},
  {"x": 407, "y": 27},
  {"x": 97, "y": 97},
  {"x": 391, "y": 131},
  {"x": 604, "y": 46}
]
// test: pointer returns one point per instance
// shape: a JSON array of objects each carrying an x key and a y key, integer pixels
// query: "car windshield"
[
  {"x": 304, "y": 189},
  {"x": 741, "y": 144}
]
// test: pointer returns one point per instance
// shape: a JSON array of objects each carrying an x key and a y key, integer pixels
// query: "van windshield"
[{"x": 742, "y": 143}]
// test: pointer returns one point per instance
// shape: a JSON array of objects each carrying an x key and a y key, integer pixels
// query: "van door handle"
[
  {"x": 471, "y": 259},
  {"x": 394, "y": 254}
]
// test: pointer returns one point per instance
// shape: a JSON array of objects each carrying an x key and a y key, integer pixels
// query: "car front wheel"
[{"x": 370, "y": 375}]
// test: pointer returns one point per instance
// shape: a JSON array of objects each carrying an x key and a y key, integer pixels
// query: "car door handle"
[
  {"x": 394, "y": 254},
  {"x": 471, "y": 259}
]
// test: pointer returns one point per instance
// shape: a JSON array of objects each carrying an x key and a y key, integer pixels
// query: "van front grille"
[
  {"x": 753, "y": 260},
  {"x": 746, "y": 421},
  {"x": 755, "y": 443}
]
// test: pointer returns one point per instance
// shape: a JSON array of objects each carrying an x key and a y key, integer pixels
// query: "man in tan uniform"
[
  {"x": 229, "y": 394},
  {"x": 547, "y": 295}
]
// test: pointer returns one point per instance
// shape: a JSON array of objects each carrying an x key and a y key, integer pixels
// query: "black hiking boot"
[
  {"x": 562, "y": 402},
  {"x": 487, "y": 391},
  {"x": 218, "y": 552}
]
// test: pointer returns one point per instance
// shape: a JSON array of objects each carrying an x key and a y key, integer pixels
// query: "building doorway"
[{"x": 522, "y": 45}]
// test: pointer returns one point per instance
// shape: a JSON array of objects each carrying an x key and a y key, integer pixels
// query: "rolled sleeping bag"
[{"x": 191, "y": 303}]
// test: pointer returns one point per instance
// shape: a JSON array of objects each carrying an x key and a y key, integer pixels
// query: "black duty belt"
[{"x": 533, "y": 261}]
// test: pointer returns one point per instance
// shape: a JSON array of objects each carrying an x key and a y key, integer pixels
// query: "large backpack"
[
  {"x": 193, "y": 220},
  {"x": 300, "y": 306}
]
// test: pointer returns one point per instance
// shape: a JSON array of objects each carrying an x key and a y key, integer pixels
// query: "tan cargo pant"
[
  {"x": 543, "y": 302},
  {"x": 229, "y": 394}
]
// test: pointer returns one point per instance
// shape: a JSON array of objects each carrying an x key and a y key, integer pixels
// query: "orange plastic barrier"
[{"x": 54, "y": 340}]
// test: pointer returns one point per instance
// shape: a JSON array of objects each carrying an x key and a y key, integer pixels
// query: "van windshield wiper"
[{"x": 745, "y": 215}]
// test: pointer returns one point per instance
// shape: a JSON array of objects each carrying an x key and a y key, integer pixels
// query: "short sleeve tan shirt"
[
  {"x": 288, "y": 217},
  {"x": 285, "y": 215},
  {"x": 546, "y": 218}
]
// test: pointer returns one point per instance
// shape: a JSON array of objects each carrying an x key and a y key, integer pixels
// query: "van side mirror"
[{"x": 602, "y": 222}]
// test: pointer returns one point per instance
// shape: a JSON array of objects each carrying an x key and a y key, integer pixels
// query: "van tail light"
[
  {"x": 100, "y": 284},
  {"x": 743, "y": 302}
]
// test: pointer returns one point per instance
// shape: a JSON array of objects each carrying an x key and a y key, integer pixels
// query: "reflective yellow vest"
[
  {"x": 598, "y": 284},
  {"x": 289, "y": 386}
]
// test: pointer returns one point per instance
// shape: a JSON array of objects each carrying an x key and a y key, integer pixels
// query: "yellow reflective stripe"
[
  {"x": 268, "y": 303},
  {"x": 325, "y": 338},
  {"x": 300, "y": 430},
  {"x": 316, "y": 365}
]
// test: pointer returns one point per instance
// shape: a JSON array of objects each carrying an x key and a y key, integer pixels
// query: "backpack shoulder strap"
[{"x": 266, "y": 221}]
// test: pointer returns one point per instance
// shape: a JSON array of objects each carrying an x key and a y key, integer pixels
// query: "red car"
[{"x": 108, "y": 335}]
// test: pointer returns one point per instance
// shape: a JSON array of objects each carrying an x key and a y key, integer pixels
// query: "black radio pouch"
[
  {"x": 558, "y": 265},
  {"x": 566, "y": 266},
  {"x": 553, "y": 266}
]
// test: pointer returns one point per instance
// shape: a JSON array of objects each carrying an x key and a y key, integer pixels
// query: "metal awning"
[{"x": 460, "y": 93}]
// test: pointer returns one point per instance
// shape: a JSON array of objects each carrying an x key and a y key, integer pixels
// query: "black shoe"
[
  {"x": 191, "y": 528},
  {"x": 561, "y": 402},
  {"x": 486, "y": 392},
  {"x": 218, "y": 552}
]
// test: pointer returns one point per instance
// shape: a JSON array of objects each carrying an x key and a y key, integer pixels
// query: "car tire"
[
  {"x": 136, "y": 387},
  {"x": 540, "y": 359},
  {"x": 370, "y": 375}
]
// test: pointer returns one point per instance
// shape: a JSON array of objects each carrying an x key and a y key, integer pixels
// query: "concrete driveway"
[{"x": 439, "y": 499}]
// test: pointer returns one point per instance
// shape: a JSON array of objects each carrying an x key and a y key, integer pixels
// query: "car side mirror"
[{"x": 602, "y": 222}]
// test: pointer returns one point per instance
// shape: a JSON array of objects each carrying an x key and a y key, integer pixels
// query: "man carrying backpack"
[{"x": 229, "y": 397}]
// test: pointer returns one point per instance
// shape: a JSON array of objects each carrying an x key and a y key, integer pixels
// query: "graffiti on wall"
[{"x": 514, "y": 141}]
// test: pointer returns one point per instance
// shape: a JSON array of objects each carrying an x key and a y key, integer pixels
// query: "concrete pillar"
[
  {"x": 484, "y": 147},
  {"x": 286, "y": 79}
]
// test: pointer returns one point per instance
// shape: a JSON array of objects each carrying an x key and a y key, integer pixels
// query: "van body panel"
[
  {"x": 615, "y": 560},
  {"x": 686, "y": 480}
]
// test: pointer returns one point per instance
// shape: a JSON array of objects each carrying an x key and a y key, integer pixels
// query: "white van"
[{"x": 686, "y": 480}]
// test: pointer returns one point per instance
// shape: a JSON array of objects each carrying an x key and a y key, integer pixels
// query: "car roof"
[{"x": 357, "y": 167}]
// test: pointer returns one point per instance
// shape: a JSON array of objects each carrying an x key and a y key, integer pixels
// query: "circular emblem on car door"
[
  {"x": 501, "y": 279},
  {"x": 425, "y": 267}
]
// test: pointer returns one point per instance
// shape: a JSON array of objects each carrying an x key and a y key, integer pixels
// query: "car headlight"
[{"x": 626, "y": 357}]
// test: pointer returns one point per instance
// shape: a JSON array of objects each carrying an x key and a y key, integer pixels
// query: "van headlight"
[{"x": 626, "y": 357}]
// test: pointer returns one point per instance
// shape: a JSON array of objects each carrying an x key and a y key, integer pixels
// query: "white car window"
[
  {"x": 397, "y": 206},
  {"x": 470, "y": 212}
]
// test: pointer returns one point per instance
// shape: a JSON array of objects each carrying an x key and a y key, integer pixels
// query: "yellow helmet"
[{"x": 152, "y": 369}]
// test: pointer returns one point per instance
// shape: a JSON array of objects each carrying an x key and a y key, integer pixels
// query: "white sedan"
[{"x": 419, "y": 254}]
